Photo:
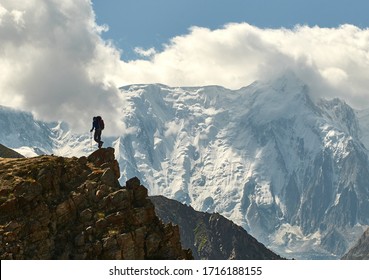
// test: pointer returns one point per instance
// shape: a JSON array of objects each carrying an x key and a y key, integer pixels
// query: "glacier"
[{"x": 291, "y": 169}]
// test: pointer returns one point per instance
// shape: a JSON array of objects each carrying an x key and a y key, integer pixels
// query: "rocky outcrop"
[
  {"x": 74, "y": 208},
  {"x": 361, "y": 250},
  {"x": 210, "y": 236},
  {"x": 8, "y": 153}
]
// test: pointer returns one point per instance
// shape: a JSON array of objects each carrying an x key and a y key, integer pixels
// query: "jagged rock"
[
  {"x": 74, "y": 208},
  {"x": 140, "y": 192},
  {"x": 210, "y": 236},
  {"x": 105, "y": 158}
]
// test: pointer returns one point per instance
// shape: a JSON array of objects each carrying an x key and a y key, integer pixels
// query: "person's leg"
[
  {"x": 99, "y": 138},
  {"x": 96, "y": 136}
]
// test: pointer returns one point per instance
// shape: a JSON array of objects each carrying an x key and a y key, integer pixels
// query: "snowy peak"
[
  {"x": 31, "y": 137},
  {"x": 266, "y": 156},
  {"x": 341, "y": 114},
  {"x": 291, "y": 171},
  {"x": 22, "y": 132},
  {"x": 284, "y": 98},
  {"x": 288, "y": 84}
]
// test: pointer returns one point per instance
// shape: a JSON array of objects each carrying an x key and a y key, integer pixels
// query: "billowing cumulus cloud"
[
  {"x": 333, "y": 61},
  {"x": 54, "y": 63}
]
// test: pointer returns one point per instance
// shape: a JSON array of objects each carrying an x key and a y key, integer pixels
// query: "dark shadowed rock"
[
  {"x": 140, "y": 192},
  {"x": 361, "y": 249},
  {"x": 8, "y": 153},
  {"x": 210, "y": 236}
]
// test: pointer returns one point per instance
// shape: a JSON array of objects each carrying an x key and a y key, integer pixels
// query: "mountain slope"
[
  {"x": 210, "y": 236},
  {"x": 290, "y": 169},
  {"x": 361, "y": 249},
  {"x": 24, "y": 134},
  {"x": 74, "y": 208},
  {"x": 8, "y": 153}
]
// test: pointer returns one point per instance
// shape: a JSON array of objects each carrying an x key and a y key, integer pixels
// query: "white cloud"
[
  {"x": 145, "y": 53},
  {"x": 334, "y": 61},
  {"x": 54, "y": 63}
]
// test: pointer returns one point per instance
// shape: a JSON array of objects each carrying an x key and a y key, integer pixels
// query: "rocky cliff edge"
[{"x": 74, "y": 208}]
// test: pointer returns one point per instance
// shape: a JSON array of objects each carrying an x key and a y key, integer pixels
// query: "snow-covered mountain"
[
  {"x": 19, "y": 130},
  {"x": 291, "y": 170}
]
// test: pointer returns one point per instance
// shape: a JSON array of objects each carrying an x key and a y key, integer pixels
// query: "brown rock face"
[{"x": 74, "y": 208}]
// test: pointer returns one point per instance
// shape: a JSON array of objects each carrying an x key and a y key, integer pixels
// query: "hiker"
[{"x": 98, "y": 125}]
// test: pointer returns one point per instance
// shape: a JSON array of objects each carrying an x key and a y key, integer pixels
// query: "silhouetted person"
[{"x": 98, "y": 125}]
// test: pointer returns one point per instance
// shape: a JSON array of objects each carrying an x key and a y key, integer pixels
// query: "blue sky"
[{"x": 149, "y": 23}]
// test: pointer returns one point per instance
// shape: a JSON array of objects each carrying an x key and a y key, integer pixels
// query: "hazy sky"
[{"x": 64, "y": 60}]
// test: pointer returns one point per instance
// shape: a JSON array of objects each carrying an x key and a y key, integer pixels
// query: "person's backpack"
[{"x": 100, "y": 123}]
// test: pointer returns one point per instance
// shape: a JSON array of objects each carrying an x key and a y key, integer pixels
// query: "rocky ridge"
[
  {"x": 210, "y": 236},
  {"x": 5, "y": 152},
  {"x": 74, "y": 208},
  {"x": 361, "y": 249}
]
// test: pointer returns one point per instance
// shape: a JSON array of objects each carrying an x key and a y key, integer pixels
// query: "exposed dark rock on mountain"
[
  {"x": 74, "y": 208},
  {"x": 361, "y": 250},
  {"x": 210, "y": 236},
  {"x": 8, "y": 153}
]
